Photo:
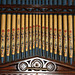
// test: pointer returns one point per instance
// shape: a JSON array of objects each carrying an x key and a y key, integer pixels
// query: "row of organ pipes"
[{"x": 26, "y": 35}]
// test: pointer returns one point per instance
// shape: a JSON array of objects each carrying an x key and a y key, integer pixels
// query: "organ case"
[{"x": 37, "y": 37}]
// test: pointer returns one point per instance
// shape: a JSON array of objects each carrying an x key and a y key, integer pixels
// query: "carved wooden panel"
[{"x": 39, "y": 65}]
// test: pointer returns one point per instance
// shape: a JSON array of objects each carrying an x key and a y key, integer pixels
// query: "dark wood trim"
[
  {"x": 38, "y": 6},
  {"x": 48, "y": 7},
  {"x": 35, "y": 12},
  {"x": 56, "y": 72}
]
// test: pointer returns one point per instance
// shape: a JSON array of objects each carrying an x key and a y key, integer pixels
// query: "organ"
[{"x": 37, "y": 36}]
